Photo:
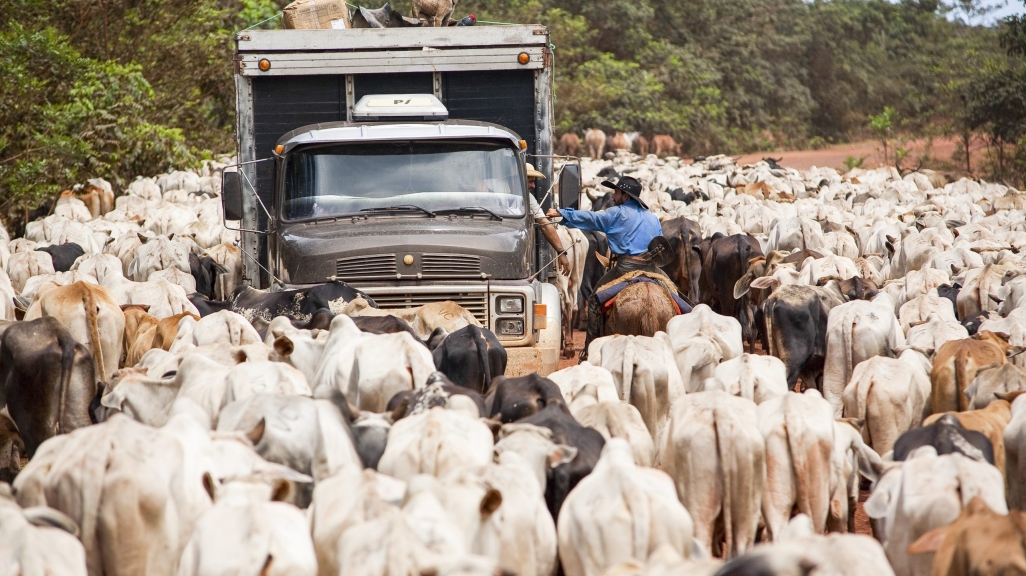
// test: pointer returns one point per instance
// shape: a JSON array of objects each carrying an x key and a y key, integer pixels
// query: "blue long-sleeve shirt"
[{"x": 628, "y": 227}]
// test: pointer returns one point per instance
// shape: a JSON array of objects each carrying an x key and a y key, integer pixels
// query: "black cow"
[
  {"x": 773, "y": 163},
  {"x": 679, "y": 195},
  {"x": 206, "y": 306},
  {"x": 950, "y": 291},
  {"x": 205, "y": 270},
  {"x": 320, "y": 320},
  {"x": 685, "y": 270},
  {"x": 436, "y": 393},
  {"x": 724, "y": 262},
  {"x": 973, "y": 321},
  {"x": 299, "y": 304},
  {"x": 46, "y": 380},
  {"x": 514, "y": 398},
  {"x": 593, "y": 271},
  {"x": 565, "y": 430},
  {"x": 609, "y": 173},
  {"x": 795, "y": 323},
  {"x": 63, "y": 255},
  {"x": 471, "y": 357},
  {"x": 948, "y": 436}
]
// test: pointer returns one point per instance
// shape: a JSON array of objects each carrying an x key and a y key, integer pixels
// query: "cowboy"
[
  {"x": 548, "y": 228},
  {"x": 629, "y": 228}
]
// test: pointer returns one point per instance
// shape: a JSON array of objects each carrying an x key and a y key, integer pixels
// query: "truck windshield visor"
[{"x": 345, "y": 179}]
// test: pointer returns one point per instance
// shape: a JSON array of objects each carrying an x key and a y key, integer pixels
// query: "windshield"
[{"x": 349, "y": 178}]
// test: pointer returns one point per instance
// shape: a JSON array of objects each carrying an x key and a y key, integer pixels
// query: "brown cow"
[
  {"x": 167, "y": 329},
  {"x": 617, "y": 142},
  {"x": 641, "y": 145},
  {"x": 956, "y": 364},
  {"x": 139, "y": 329},
  {"x": 980, "y": 542},
  {"x": 595, "y": 140},
  {"x": 989, "y": 421},
  {"x": 93, "y": 317},
  {"x": 569, "y": 145},
  {"x": 665, "y": 145}
]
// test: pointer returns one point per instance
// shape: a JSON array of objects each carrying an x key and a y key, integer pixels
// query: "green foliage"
[
  {"x": 881, "y": 125},
  {"x": 852, "y": 162},
  {"x": 65, "y": 118}
]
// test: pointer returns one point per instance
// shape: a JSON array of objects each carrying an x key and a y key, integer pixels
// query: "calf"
[
  {"x": 46, "y": 380},
  {"x": 63, "y": 255},
  {"x": 471, "y": 357}
]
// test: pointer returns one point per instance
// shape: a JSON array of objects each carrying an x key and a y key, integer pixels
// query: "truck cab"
[{"x": 397, "y": 197}]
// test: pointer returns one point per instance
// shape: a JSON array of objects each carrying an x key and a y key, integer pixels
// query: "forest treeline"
[{"x": 92, "y": 87}]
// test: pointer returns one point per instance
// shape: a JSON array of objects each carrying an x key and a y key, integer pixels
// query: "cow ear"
[
  {"x": 743, "y": 284},
  {"x": 562, "y": 454},
  {"x": 220, "y": 268},
  {"x": 490, "y": 502},
  {"x": 929, "y": 542},
  {"x": 281, "y": 490},
  {"x": 257, "y": 432},
  {"x": 995, "y": 298},
  {"x": 171, "y": 236},
  {"x": 602, "y": 260},
  {"x": 1014, "y": 351},
  {"x": 1009, "y": 396},
  {"x": 765, "y": 282},
  {"x": 209, "y": 485},
  {"x": 283, "y": 346}
]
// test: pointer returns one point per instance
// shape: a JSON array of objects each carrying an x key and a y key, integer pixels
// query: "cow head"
[{"x": 855, "y": 288}]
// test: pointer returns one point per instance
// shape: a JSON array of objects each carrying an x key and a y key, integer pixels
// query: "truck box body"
[{"x": 308, "y": 82}]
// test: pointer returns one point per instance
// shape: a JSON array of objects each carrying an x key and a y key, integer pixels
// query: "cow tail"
[
  {"x": 862, "y": 408},
  {"x": 94, "y": 333},
  {"x": 962, "y": 380},
  {"x": 744, "y": 253},
  {"x": 627, "y": 371},
  {"x": 798, "y": 459},
  {"x": 728, "y": 467},
  {"x": 67, "y": 345},
  {"x": 482, "y": 359}
]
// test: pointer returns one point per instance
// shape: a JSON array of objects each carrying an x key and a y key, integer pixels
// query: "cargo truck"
[{"x": 394, "y": 160}]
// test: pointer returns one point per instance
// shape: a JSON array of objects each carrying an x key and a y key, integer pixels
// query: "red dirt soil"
[{"x": 939, "y": 151}]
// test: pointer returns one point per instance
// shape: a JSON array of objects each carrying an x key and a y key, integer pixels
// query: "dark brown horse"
[{"x": 641, "y": 309}]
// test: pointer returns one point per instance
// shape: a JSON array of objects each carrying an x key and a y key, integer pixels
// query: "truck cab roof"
[{"x": 329, "y": 132}]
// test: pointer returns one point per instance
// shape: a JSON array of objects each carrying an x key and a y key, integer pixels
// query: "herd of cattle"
[{"x": 177, "y": 422}]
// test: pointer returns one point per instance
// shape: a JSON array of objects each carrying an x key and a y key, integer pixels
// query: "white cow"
[
  {"x": 644, "y": 372},
  {"x": 160, "y": 253},
  {"x": 716, "y": 455},
  {"x": 924, "y": 492},
  {"x": 799, "y": 434},
  {"x": 620, "y": 512},
  {"x": 891, "y": 396},
  {"x": 38, "y": 541},
  {"x": 856, "y": 331},
  {"x": 435, "y": 442},
  {"x": 756, "y": 377}
]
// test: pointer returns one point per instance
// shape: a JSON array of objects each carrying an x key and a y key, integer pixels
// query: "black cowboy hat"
[{"x": 629, "y": 186}]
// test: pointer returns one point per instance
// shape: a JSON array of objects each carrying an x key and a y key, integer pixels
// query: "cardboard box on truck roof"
[{"x": 316, "y": 15}]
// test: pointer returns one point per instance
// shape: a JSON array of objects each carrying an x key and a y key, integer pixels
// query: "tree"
[{"x": 881, "y": 125}]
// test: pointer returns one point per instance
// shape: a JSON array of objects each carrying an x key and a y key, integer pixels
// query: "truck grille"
[
  {"x": 450, "y": 265},
  {"x": 367, "y": 267},
  {"x": 475, "y": 302}
]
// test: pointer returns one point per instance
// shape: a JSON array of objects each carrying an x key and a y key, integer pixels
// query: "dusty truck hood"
[{"x": 309, "y": 252}]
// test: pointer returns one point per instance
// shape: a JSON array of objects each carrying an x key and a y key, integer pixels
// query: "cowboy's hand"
[
  {"x": 564, "y": 264},
  {"x": 553, "y": 213}
]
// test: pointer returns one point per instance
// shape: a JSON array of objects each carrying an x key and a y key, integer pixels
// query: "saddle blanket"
[{"x": 608, "y": 295}]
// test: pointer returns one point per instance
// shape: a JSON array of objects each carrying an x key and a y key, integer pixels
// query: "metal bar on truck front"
[{"x": 248, "y": 242}]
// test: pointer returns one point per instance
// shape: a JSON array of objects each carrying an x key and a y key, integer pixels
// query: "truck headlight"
[
  {"x": 511, "y": 305},
  {"x": 511, "y": 327}
]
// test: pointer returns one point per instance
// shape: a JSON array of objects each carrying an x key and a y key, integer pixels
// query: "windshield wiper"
[
  {"x": 401, "y": 208},
  {"x": 474, "y": 209}
]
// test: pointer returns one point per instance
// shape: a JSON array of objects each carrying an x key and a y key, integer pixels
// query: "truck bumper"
[{"x": 543, "y": 357}]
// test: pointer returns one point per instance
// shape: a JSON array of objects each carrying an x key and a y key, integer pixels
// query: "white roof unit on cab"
[{"x": 395, "y": 107}]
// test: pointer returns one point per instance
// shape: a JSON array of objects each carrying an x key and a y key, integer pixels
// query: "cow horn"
[{"x": 257, "y": 432}]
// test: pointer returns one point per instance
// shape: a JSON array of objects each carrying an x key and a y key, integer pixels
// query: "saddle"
[{"x": 607, "y": 293}]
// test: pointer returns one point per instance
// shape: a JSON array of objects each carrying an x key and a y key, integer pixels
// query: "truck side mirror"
[
  {"x": 569, "y": 186},
  {"x": 231, "y": 195}
]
